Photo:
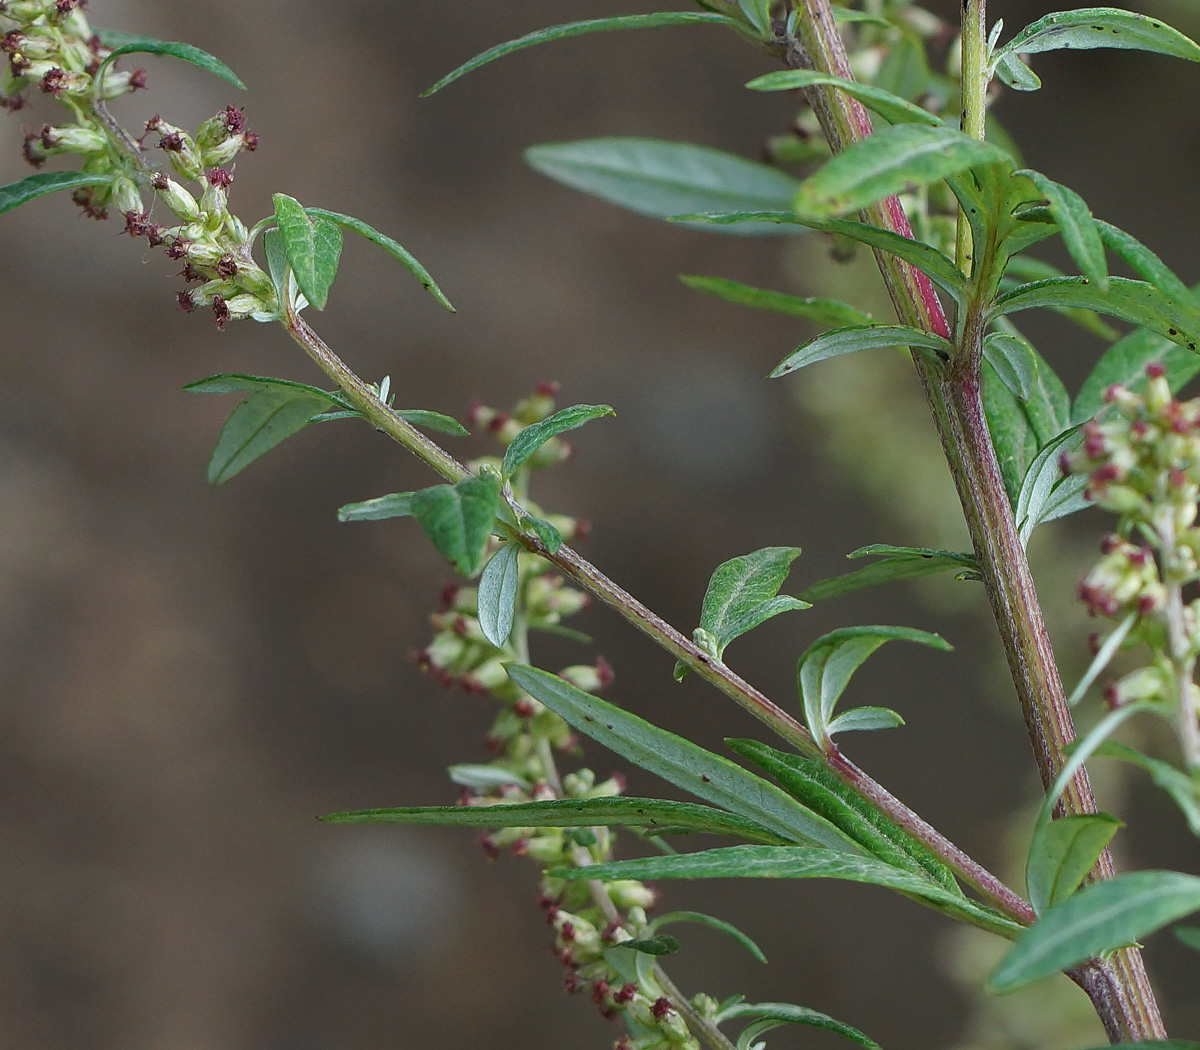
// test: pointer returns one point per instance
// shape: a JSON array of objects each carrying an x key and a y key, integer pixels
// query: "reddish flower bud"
[
  {"x": 1155, "y": 370},
  {"x": 220, "y": 312},
  {"x": 185, "y": 302},
  {"x": 662, "y": 1006},
  {"x": 219, "y": 178},
  {"x": 626, "y": 994}
]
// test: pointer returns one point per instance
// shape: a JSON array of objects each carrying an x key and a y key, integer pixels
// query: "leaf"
[
  {"x": 795, "y": 862},
  {"x": 1134, "y": 301},
  {"x": 897, "y": 563},
  {"x": 241, "y": 383},
  {"x": 498, "y": 594},
  {"x": 561, "y": 32},
  {"x": 1189, "y": 936},
  {"x": 1181, "y": 787},
  {"x": 1046, "y": 493},
  {"x": 679, "y": 761},
  {"x": 261, "y": 422},
  {"x": 1092, "y": 27},
  {"x": 774, "y": 1015},
  {"x": 1014, "y": 361},
  {"x": 1102, "y": 658},
  {"x": 826, "y": 666},
  {"x": 17, "y": 193},
  {"x": 609, "y": 811},
  {"x": 1145, "y": 263},
  {"x": 484, "y": 779},
  {"x": 1099, "y": 918},
  {"x": 1018, "y": 76},
  {"x": 850, "y": 340},
  {"x": 550, "y": 536},
  {"x": 1012, "y": 436},
  {"x": 828, "y": 312},
  {"x": 533, "y": 437},
  {"x": 892, "y": 108},
  {"x": 458, "y": 519},
  {"x": 439, "y": 421},
  {"x": 863, "y": 719},
  {"x": 1029, "y": 269},
  {"x": 809, "y": 781},
  {"x": 313, "y": 247},
  {"x": 393, "y": 248},
  {"x": 893, "y": 160},
  {"x": 716, "y": 924},
  {"x": 131, "y": 43},
  {"x": 663, "y": 179},
  {"x": 742, "y": 593},
  {"x": 1074, "y": 220},
  {"x": 758, "y": 14},
  {"x": 277, "y": 267},
  {"x": 1062, "y": 854},
  {"x": 395, "y": 505}
]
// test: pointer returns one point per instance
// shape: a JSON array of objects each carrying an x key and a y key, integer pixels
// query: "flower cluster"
[{"x": 53, "y": 49}]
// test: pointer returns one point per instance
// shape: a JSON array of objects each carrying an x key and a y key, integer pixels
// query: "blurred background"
[{"x": 190, "y": 676}]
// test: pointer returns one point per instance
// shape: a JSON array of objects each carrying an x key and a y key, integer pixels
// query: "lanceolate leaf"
[
  {"x": 1012, "y": 436},
  {"x": 828, "y": 312},
  {"x": 891, "y": 107},
  {"x": 742, "y": 593},
  {"x": 131, "y": 43},
  {"x": 1091, "y": 27},
  {"x": 647, "y": 813},
  {"x": 597, "y": 25},
  {"x": 663, "y": 179},
  {"x": 395, "y": 505},
  {"x": 1099, "y": 918},
  {"x": 1076, "y": 225},
  {"x": 1018, "y": 76},
  {"x": 533, "y": 437},
  {"x": 393, "y": 248},
  {"x": 1145, "y": 263},
  {"x": 1062, "y": 854},
  {"x": 458, "y": 519},
  {"x": 896, "y": 563},
  {"x": 1014, "y": 361},
  {"x": 716, "y": 924},
  {"x": 1025, "y": 268},
  {"x": 17, "y": 193},
  {"x": 770, "y": 1016},
  {"x": 684, "y": 764},
  {"x": 864, "y": 719},
  {"x": 261, "y": 422},
  {"x": 758, "y": 14},
  {"x": 849, "y": 340},
  {"x": 1046, "y": 493},
  {"x": 795, "y": 862},
  {"x": 498, "y": 594},
  {"x": 313, "y": 247},
  {"x": 1175, "y": 783},
  {"x": 240, "y": 383},
  {"x": 890, "y": 161}
]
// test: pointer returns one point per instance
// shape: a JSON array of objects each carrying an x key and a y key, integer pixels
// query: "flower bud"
[
  {"x": 175, "y": 197},
  {"x": 126, "y": 196},
  {"x": 74, "y": 139}
]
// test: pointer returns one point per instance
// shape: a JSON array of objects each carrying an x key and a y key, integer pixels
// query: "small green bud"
[
  {"x": 125, "y": 195},
  {"x": 175, "y": 197}
]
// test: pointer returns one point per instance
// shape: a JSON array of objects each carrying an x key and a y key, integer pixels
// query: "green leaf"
[
  {"x": 774, "y": 1015},
  {"x": 483, "y": 779},
  {"x": 1190, "y": 936},
  {"x": 742, "y": 593},
  {"x": 1014, "y": 361},
  {"x": 664, "y": 944},
  {"x": 716, "y": 924},
  {"x": 1046, "y": 493},
  {"x": 663, "y": 179},
  {"x": 1134, "y": 301},
  {"x": 829, "y": 312},
  {"x": 1145, "y": 263},
  {"x": 458, "y": 519},
  {"x": 679, "y": 761},
  {"x": 439, "y": 421},
  {"x": 897, "y": 563},
  {"x": 1062, "y": 854},
  {"x": 809, "y": 781},
  {"x": 131, "y": 44},
  {"x": 1027, "y": 268},
  {"x": 1075, "y": 223},
  {"x": 313, "y": 247},
  {"x": 850, "y": 340},
  {"x": 561, "y": 32},
  {"x": 277, "y": 266},
  {"x": 758, "y": 14},
  {"x": 1099, "y": 918},
  {"x": 795, "y": 862},
  {"x": 1102, "y": 658},
  {"x": 893, "y": 160},
  {"x": 533, "y": 437},
  {"x": 550, "y": 536},
  {"x": 261, "y": 422},
  {"x": 498, "y": 594},
  {"x": 826, "y": 666},
  {"x": 1092, "y": 27},
  {"x": 17, "y": 193},
  {"x": 1012, "y": 436},
  {"x": 395, "y": 505},
  {"x": 891, "y": 107},
  {"x": 393, "y": 248},
  {"x": 1182, "y": 788},
  {"x": 610, "y": 811},
  {"x": 863, "y": 719},
  {"x": 241, "y": 383},
  {"x": 1016, "y": 74}
]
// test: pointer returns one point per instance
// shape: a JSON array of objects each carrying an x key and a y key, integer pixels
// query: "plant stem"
[{"x": 1120, "y": 993}]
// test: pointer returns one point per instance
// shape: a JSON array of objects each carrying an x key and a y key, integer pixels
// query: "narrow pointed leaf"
[
  {"x": 714, "y": 923},
  {"x": 682, "y": 763},
  {"x": 1190, "y": 936},
  {"x": 17, "y": 193},
  {"x": 893, "y": 160},
  {"x": 1026, "y": 268},
  {"x": 313, "y": 247},
  {"x": 1183, "y": 789},
  {"x": 531, "y": 438},
  {"x": 1076, "y": 226},
  {"x": 743, "y": 592},
  {"x": 829, "y": 312},
  {"x": 1016, "y": 74},
  {"x": 841, "y": 341},
  {"x": 1099, "y": 918},
  {"x": 647, "y": 813},
  {"x": 131, "y": 44},
  {"x": 863, "y": 719},
  {"x": 1145, "y": 263},
  {"x": 1046, "y": 493},
  {"x": 261, "y": 422},
  {"x": 498, "y": 594},
  {"x": 758, "y": 14},
  {"x": 1014, "y": 361},
  {"x": 458, "y": 519},
  {"x": 392, "y": 247},
  {"x": 482, "y": 779},
  {"x": 562, "y": 32},
  {"x": 547, "y": 533},
  {"x": 896, "y": 563},
  {"x": 769, "y": 1016},
  {"x": 1124, "y": 364},
  {"x": 1102, "y": 658},
  {"x": 241, "y": 383},
  {"x": 795, "y": 862},
  {"x": 439, "y": 421},
  {"x": 1012, "y": 436},
  {"x": 1062, "y": 854},
  {"x": 395, "y": 505},
  {"x": 663, "y": 179},
  {"x": 664, "y": 944},
  {"x": 892, "y": 108},
  {"x": 1092, "y": 27}
]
